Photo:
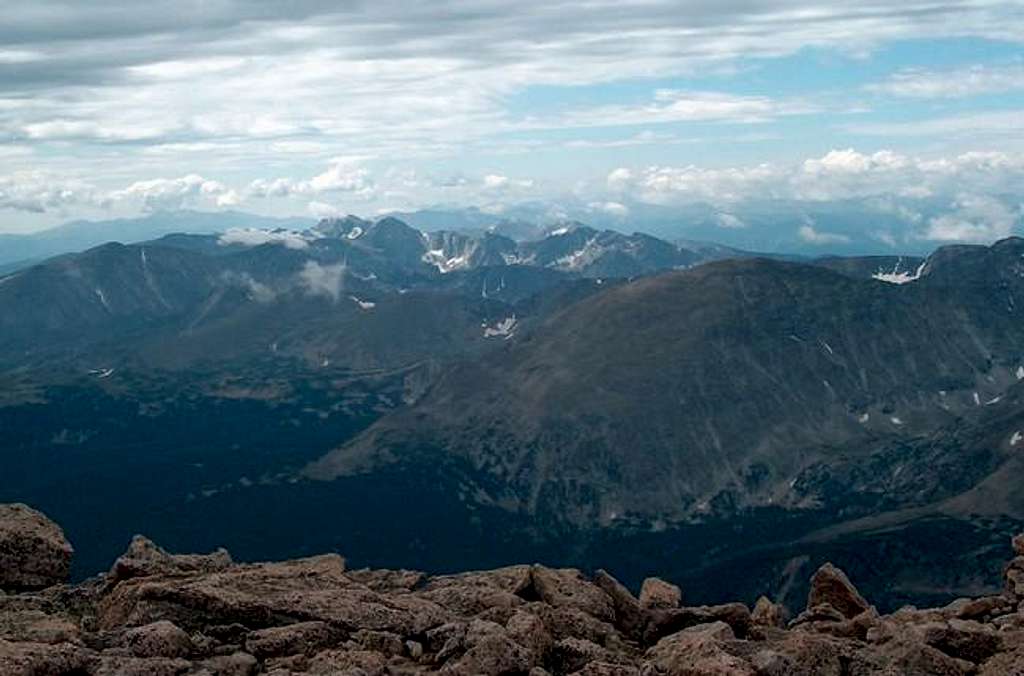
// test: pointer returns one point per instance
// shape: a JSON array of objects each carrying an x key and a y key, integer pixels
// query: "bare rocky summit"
[{"x": 160, "y": 613}]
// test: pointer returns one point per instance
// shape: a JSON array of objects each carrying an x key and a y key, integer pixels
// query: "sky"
[{"x": 113, "y": 108}]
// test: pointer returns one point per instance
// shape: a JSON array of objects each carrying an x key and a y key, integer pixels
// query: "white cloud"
[
  {"x": 975, "y": 218},
  {"x": 257, "y": 291},
  {"x": 173, "y": 193},
  {"x": 322, "y": 209},
  {"x": 809, "y": 234},
  {"x": 670, "y": 105},
  {"x": 953, "y": 83},
  {"x": 323, "y": 280},
  {"x": 729, "y": 221},
  {"x": 977, "y": 125},
  {"x": 41, "y": 191},
  {"x": 839, "y": 174},
  {"x": 278, "y": 187},
  {"x": 344, "y": 175},
  {"x": 256, "y": 237},
  {"x": 500, "y": 182},
  {"x": 616, "y": 209}
]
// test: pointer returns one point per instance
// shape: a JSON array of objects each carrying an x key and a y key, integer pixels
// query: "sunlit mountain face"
[{"x": 711, "y": 291}]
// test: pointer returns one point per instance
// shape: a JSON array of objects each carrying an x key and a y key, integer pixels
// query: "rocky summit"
[{"x": 161, "y": 613}]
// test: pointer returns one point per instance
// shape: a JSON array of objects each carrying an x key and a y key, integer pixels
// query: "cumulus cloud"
[
  {"x": 344, "y": 175},
  {"x": 323, "y": 280},
  {"x": 42, "y": 191},
  {"x": 256, "y": 237},
  {"x": 174, "y": 193},
  {"x": 839, "y": 174}
]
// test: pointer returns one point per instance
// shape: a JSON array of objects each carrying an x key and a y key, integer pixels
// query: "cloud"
[
  {"x": 278, "y": 187},
  {"x": 975, "y": 218},
  {"x": 322, "y": 209},
  {"x": 808, "y": 234},
  {"x": 839, "y": 174},
  {"x": 670, "y": 105},
  {"x": 976, "y": 125},
  {"x": 667, "y": 185},
  {"x": 392, "y": 80},
  {"x": 955, "y": 83},
  {"x": 256, "y": 237},
  {"x": 729, "y": 221},
  {"x": 173, "y": 193},
  {"x": 343, "y": 175},
  {"x": 257, "y": 291},
  {"x": 616, "y": 209},
  {"x": 502, "y": 183},
  {"x": 323, "y": 280},
  {"x": 42, "y": 191}
]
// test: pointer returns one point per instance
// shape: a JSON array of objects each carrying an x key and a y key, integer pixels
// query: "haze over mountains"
[{"x": 580, "y": 396}]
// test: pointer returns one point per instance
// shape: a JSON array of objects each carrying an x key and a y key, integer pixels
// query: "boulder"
[
  {"x": 768, "y": 614},
  {"x": 124, "y": 665},
  {"x": 963, "y": 639},
  {"x": 801, "y": 654},
  {"x": 256, "y": 596},
  {"x": 572, "y": 654},
  {"x": 607, "y": 669},
  {"x": 348, "y": 661},
  {"x": 475, "y": 593},
  {"x": 829, "y": 585},
  {"x": 907, "y": 656},
  {"x": 629, "y": 617},
  {"x": 302, "y": 638},
  {"x": 529, "y": 631},
  {"x": 34, "y": 553},
  {"x": 489, "y": 651},
  {"x": 235, "y": 664},
  {"x": 42, "y": 659},
  {"x": 144, "y": 558},
  {"x": 1014, "y": 576},
  {"x": 159, "y": 639},
  {"x": 1018, "y": 545},
  {"x": 699, "y": 651},
  {"x": 655, "y": 593},
  {"x": 661, "y": 623},
  {"x": 568, "y": 588},
  {"x": 37, "y": 626}
]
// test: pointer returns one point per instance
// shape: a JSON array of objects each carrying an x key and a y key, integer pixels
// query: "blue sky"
[{"x": 114, "y": 108}]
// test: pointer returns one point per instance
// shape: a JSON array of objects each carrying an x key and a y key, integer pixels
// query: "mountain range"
[{"x": 457, "y": 397}]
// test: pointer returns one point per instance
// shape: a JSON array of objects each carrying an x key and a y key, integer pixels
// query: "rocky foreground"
[{"x": 159, "y": 613}]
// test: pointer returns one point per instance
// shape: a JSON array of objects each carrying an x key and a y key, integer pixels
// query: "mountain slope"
[
  {"x": 713, "y": 390},
  {"x": 80, "y": 235}
]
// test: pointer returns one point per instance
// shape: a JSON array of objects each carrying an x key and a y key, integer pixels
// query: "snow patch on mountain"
[
  {"x": 364, "y": 304},
  {"x": 505, "y": 328},
  {"x": 897, "y": 276}
]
